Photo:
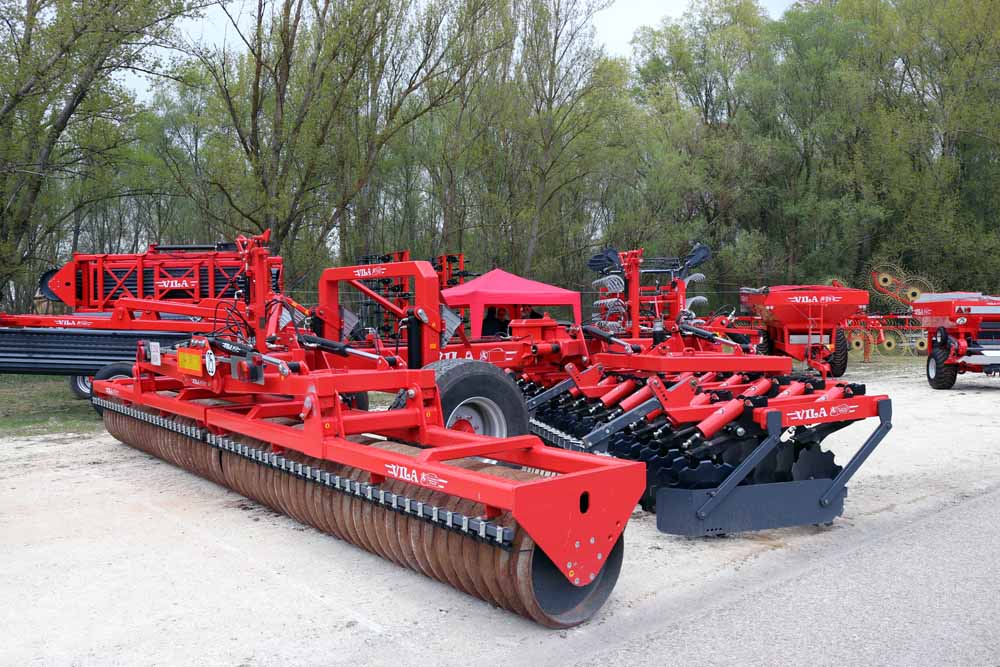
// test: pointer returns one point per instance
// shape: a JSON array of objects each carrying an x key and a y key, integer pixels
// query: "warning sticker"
[{"x": 189, "y": 361}]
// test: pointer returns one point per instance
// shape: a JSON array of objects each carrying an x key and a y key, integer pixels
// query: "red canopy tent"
[{"x": 499, "y": 288}]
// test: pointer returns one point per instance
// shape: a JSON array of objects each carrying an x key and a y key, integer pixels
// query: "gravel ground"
[{"x": 112, "y": 557}]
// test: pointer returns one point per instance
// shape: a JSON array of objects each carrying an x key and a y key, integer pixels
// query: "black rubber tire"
[
  {"x": 462, "y": 380},
  {"x": 742, "y": 339},
  {"x": 80, "y": 386},
  {"x": 765, "y": 346},
  {"x": 939, "y": 374},
  {"x": 841, "y": 350},
  {"x": 119, "y": 369},
  {"x": 358, "y": 401}
]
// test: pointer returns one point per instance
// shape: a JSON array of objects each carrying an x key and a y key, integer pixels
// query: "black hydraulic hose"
[
  {"x": 343, "y": 349},
  {"x": 609, "y": 338},
  {"x": 711, "y": 337}
]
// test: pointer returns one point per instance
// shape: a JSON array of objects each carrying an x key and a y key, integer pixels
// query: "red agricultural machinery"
[
  {"x": 269, "y": 410},
  {"x": 959, "y": 331},
  {"x": 423, "y": 330},
  {"x": 180, "y": 273},
  {"x": 731, "y": 438},
  {"x": 646, "y": 298},
  {"x": 731, "y": 442},
  {"x": 164, "y": 294},
  {"x": 805, "y": 322},
  {"x": 963, "y": 335}
]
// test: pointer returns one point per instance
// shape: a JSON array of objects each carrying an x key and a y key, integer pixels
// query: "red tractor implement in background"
[
  {"x": 806, "y": 322},
  {"x": 963, "y": 335},
  {"x": 960, "y": 331},
  {"x": 630, "y": 307},
  {"x": 93, "y": 283},
  {"x": 164, "y": 295},
  {"x": 267, "y": 410}
]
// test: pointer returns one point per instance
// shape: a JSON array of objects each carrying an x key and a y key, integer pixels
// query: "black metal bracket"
[
  {"x": 841, "y": 480},
  {"x": 717, "y": 496},
  {"x": 549, "y": 394},
  {"x": 597, "y": 440},
  {"x": 732, "y": 508}
]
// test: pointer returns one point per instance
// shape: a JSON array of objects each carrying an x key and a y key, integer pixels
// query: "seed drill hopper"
[
  {"x": 266, "y": 409},
  {"x": 806, "y": 322}
]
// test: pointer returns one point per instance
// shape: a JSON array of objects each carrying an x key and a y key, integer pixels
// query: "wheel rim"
[
  {"x": 931, "y": 367},
  {"x": 84, "y": 383},
  {"x": 479, "y": 414}
]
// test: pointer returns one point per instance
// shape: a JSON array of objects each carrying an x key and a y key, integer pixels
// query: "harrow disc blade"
[
  {"x": 704, "y": 475},
  {"x": 520, "y": 577},
  {"x": 814, "y": 463}
]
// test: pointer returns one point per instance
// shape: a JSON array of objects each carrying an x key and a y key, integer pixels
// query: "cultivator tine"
[
  {"x": 612, "y": 283},
  {"x": 613, "y": 306}
]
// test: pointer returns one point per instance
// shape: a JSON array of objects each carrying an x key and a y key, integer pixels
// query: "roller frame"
[{"x": 575, "y": 517}]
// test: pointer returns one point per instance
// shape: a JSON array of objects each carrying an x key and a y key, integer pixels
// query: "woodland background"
[{"x": 844, "y": 134}]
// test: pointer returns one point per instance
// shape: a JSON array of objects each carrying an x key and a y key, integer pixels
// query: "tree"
[{"x": 61, "y": 110}]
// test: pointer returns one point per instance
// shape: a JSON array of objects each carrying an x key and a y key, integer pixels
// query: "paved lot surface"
[{"x": 112, "y": 557}]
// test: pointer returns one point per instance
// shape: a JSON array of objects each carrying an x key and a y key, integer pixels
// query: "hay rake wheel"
[{"x": 894, "y": 343}]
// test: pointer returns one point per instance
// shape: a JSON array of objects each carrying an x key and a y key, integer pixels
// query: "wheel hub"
[{"x": 479, "y": 414}]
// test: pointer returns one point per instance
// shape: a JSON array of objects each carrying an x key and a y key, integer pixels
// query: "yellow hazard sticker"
[{"x": 189, "y": 361}]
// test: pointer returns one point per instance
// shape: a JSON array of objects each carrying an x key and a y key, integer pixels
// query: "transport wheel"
[
  {"x": 765, "y": 346},
  {"x": 741, "y": 339},
  {"x": 80, "y": 386},
  {"x": 939, "y": 374},
  {"x": 358, "y": 401},
  {"x": 120, "y": 369},
  {"x": 838, "y": 360},
  {"x": 479, "y": 397}
]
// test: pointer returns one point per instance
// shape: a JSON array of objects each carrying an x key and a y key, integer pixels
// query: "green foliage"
[
  {"x": 841, "y": 135},
  {"x": 34, "y": 405}
]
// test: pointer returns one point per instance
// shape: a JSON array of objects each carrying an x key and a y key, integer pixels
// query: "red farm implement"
[
  {"x": 184, "y": 274},
  {"x": 163, "y": 295},
  {"x": 731, "y": 442},
  {"x": 704, "y": 413},
  {"x": 963, "y": 335},
  {"x": 424, "y": 331},
  {"x": 806, "y": 322},
  {"x": 647, "y": 297},
  {"x": 269, "y": 411}
]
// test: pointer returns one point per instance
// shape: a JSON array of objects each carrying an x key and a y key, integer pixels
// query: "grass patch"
[{"x": 35, "y": 405}]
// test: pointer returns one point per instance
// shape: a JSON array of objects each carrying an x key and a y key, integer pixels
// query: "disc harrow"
[
  {"x": 269, "y": 413},
  {"x": 708, "y": 425}
]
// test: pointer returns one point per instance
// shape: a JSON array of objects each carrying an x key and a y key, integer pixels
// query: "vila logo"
[
  {"x": 815, "y": 414},
  {"x": 428, "y": 479},
  {"x": 177, "y": 283},
  {"x": 815, "y": 299},
  {"x": 369, "y": 271},
  {"x": 73, "y": 323}
]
